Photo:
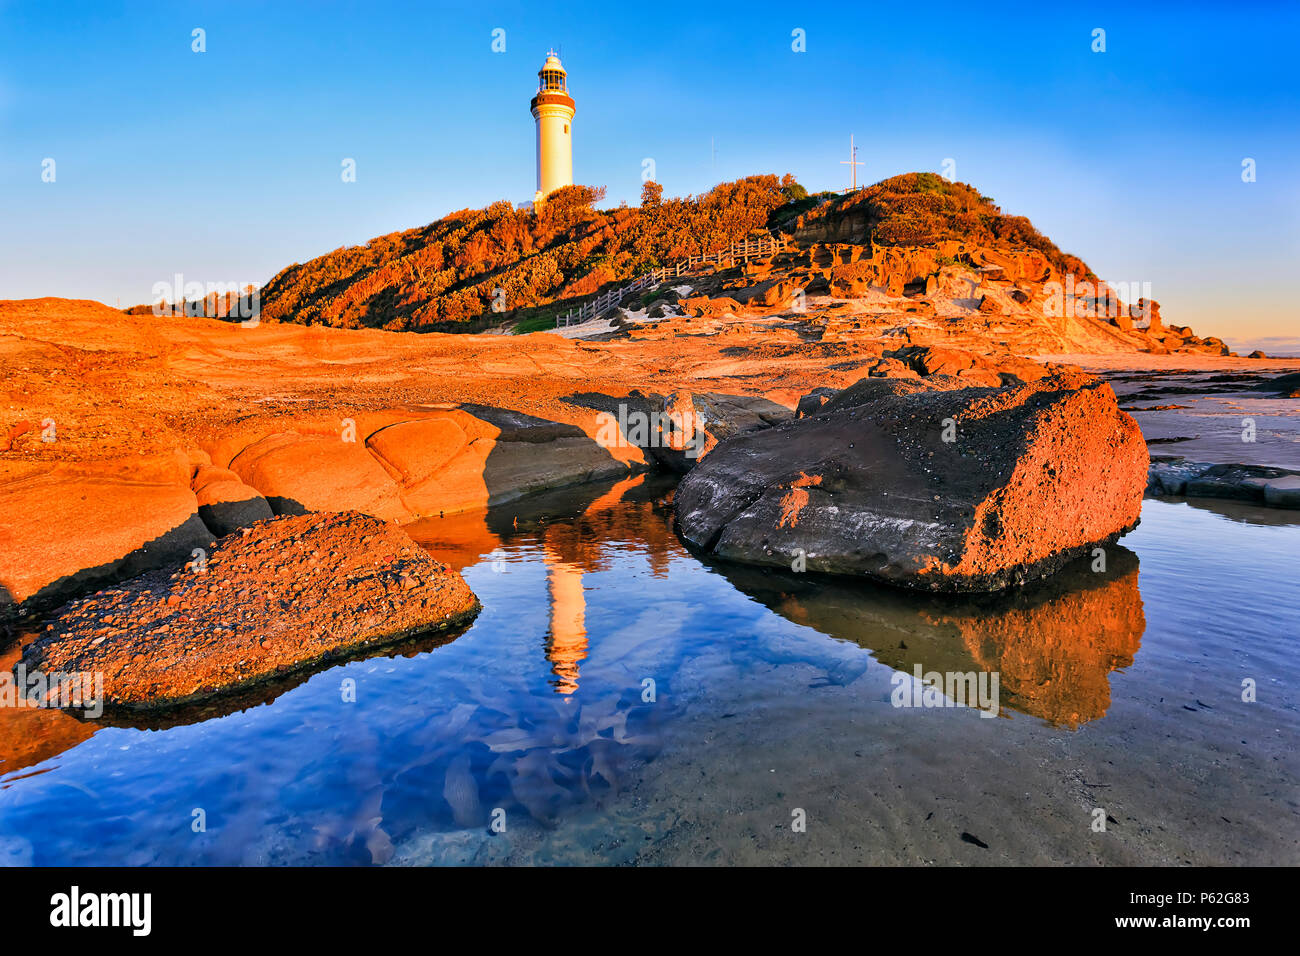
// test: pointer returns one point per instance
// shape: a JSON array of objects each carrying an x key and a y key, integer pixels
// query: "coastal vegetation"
[
  {"x": 502, "y": 265},
  {"x": 476, "y": 263}
]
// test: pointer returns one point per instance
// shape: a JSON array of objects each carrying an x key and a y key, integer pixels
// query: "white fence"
[{"x": 746, "y": 248}]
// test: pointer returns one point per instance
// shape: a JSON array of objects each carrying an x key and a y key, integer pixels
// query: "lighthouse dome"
[{"x": 551, "y": 77}]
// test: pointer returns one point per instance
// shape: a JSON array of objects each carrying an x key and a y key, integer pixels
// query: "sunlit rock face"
[{"x": 966, "y": 489}]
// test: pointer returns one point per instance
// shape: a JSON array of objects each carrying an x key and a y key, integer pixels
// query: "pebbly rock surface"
[
  {"x": 957, "y": 489},
  {"x": 284, "y": 595}
]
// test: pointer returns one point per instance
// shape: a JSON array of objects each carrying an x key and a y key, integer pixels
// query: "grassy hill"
[
  {"x": 920, "y": 209},
  {"x": 487, "y": 266},
  {"x": 446, "y": 274}
]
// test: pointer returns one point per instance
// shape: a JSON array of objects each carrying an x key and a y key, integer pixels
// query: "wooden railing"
[{"x": 745, "y": 249}]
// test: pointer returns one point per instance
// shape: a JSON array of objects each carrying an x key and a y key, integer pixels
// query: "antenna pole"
[{"x": 852, "y": 162}]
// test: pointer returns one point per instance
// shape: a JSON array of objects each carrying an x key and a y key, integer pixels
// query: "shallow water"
[{"x": 620, "y": 701}]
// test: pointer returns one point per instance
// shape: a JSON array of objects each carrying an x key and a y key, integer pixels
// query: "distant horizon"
[{"x": 1131, "y": 158}]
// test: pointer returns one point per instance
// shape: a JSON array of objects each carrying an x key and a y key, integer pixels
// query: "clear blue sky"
[{"x": 225, "y": 165}]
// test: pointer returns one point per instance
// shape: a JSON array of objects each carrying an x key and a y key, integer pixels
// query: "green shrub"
[{"x": 536, "y": 323}]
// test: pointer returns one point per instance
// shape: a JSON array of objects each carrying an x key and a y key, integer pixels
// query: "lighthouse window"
[
  {"x": 552, "y": 80},
  {"x": 566, "y": 127}
]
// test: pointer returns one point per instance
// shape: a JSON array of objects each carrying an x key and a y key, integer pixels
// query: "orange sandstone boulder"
[
  {"x": 286, "y": 595},
  {"x": 966, "y": 489},
  {"x": 703, "y": 306},
  {"x": 225, "y": 503},
  {"x": 851, "y": 280},
  {"x": 777, "y": 295},
  {"x": 299, "y": 473},
  {"x": 474, "y": 456},
  {"x": 941, "y": 361},
  {"x": 61, "y": 534}
]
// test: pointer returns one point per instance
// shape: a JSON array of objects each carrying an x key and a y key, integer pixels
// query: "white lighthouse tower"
[{"x": 553, "y": 110}]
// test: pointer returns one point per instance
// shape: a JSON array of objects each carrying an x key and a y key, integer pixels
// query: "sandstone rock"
[
  {"x": 867, "y": 390},
  {"x": 301, "y": 473},
  {"x": 1257, "y": 354},
  {"x": 225, "y": 503},
  {"x": 1170, "y": 478},
  {"x": 892, "y": 368},
  {"x": 62, "y": 534},
  {"x": 821, "y": 256},
  {"x": 982, "y": 377},
  {"x": 476, "y": 455},
  {"x": 1242, "y": 482},
  {"x": 1035, "y": 476},
  {"x": 143, "y": 388},
  {"x": 703, "y": 306},
  {"x": 516, "y": 468},
  {"x": 852, "y": 280},
  {"x": 817, "y": 285},
  {"x": 941, "y": 361},
  {"x": 1150, "y": 309},
  {"x": 693, "y": 423},
  {"x": 268, "y": 605},
  {"x": 414, "y": 451},
  {"x": 1015, "y": 369},
  {"x": 693, "y": 305},
  {"x": 777, "y": 295}
]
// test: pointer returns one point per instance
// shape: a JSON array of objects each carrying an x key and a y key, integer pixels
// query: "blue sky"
[{"x": 225, "y": 165}]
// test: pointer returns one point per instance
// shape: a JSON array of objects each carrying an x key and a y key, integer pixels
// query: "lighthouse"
[{"x": 553, "y": 111}]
